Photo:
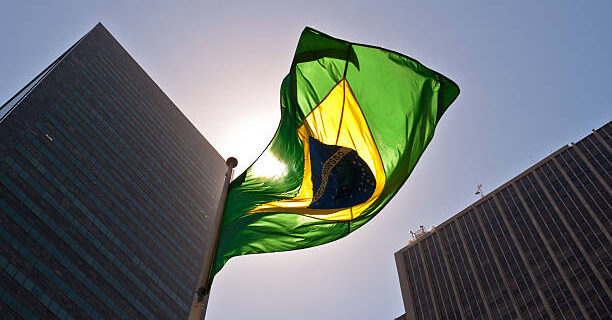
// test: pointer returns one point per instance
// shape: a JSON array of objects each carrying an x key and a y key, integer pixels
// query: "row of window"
[
  {"x": 166, "y": 134},
  {"x": 107, "y": 212},
  {"x": 77, "y": 246},
  {"x": 195, "y": 159},
  {"x": 185, "y": 227},
  {"x": 35, "y": 290},
  {"x": 92, "y": 220},
  {"x": 144, "y": 227},
  {"x": 13, "y": 308},
  {"x": 61, "y": 132},
  {"x": 59, "y": 255}
]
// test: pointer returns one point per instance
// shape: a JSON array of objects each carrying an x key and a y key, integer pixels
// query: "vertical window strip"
[
  {"x": 474, "y": 265},
  {"x": 418, "y": 309},
  {"x": 431, "y": 283},
  {"x": 486, "y": 268},
  {"x": 520, "y": 230},
  {"x": 501, "y": 249},
  {"x": 581, "y": 178},
  {"x": 478, "y": 294},
  {"x": 587, "y": 225},
  {"x": 548, "y": 229},
  {"x": 545, "y": 272},
  {"x": 546, "y": 184},
  {"x": 452, "y": 278}
]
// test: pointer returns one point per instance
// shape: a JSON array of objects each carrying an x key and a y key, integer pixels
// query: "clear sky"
[{"x": 534, "y": 75}]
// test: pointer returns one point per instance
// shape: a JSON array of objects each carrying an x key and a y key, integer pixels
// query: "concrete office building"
[
  {"x": 538, "y": 247},
  {"x": 106, "y": 190}
]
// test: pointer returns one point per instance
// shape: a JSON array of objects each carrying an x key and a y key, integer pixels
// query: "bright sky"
[{"x": 534, "y": 75}]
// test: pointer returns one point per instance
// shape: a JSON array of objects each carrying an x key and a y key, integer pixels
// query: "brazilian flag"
[{"x": 355, "y": 120}]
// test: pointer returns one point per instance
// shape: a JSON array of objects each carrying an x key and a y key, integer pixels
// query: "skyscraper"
[
  {"x": 538, "y": 247},
  {"x": 106, "y": 190}
]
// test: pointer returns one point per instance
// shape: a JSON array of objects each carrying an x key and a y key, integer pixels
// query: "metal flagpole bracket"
[{"x": 197, "y": 306}]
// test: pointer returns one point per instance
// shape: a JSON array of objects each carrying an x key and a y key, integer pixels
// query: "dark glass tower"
[
  {"x": 538, "y": 247},
  {"x": 105, "y": 192}
]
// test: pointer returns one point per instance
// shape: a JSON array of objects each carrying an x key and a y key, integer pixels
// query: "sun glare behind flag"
[{"x": 355, "y": 119}]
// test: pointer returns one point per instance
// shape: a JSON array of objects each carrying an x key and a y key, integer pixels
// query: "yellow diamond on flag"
[{"x": 336, "y": 121}]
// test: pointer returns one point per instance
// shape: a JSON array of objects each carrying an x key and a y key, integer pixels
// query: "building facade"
[
  {"x": 538, "y": 247},
  {"x": 106, "y": 190}
]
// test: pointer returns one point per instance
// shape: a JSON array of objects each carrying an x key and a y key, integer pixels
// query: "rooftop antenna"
[{"x": 479, "y": 190}]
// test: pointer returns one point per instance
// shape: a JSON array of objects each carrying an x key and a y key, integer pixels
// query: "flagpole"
[{"x": 200, "y": 296}]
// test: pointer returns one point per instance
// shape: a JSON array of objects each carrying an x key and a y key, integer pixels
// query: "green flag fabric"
[{"x": 355, "y": 119}]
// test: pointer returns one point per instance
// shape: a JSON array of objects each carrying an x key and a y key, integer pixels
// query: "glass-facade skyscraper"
[
  {"x": 538, "y": 247},
  {"x": 106, "y": 190}
]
